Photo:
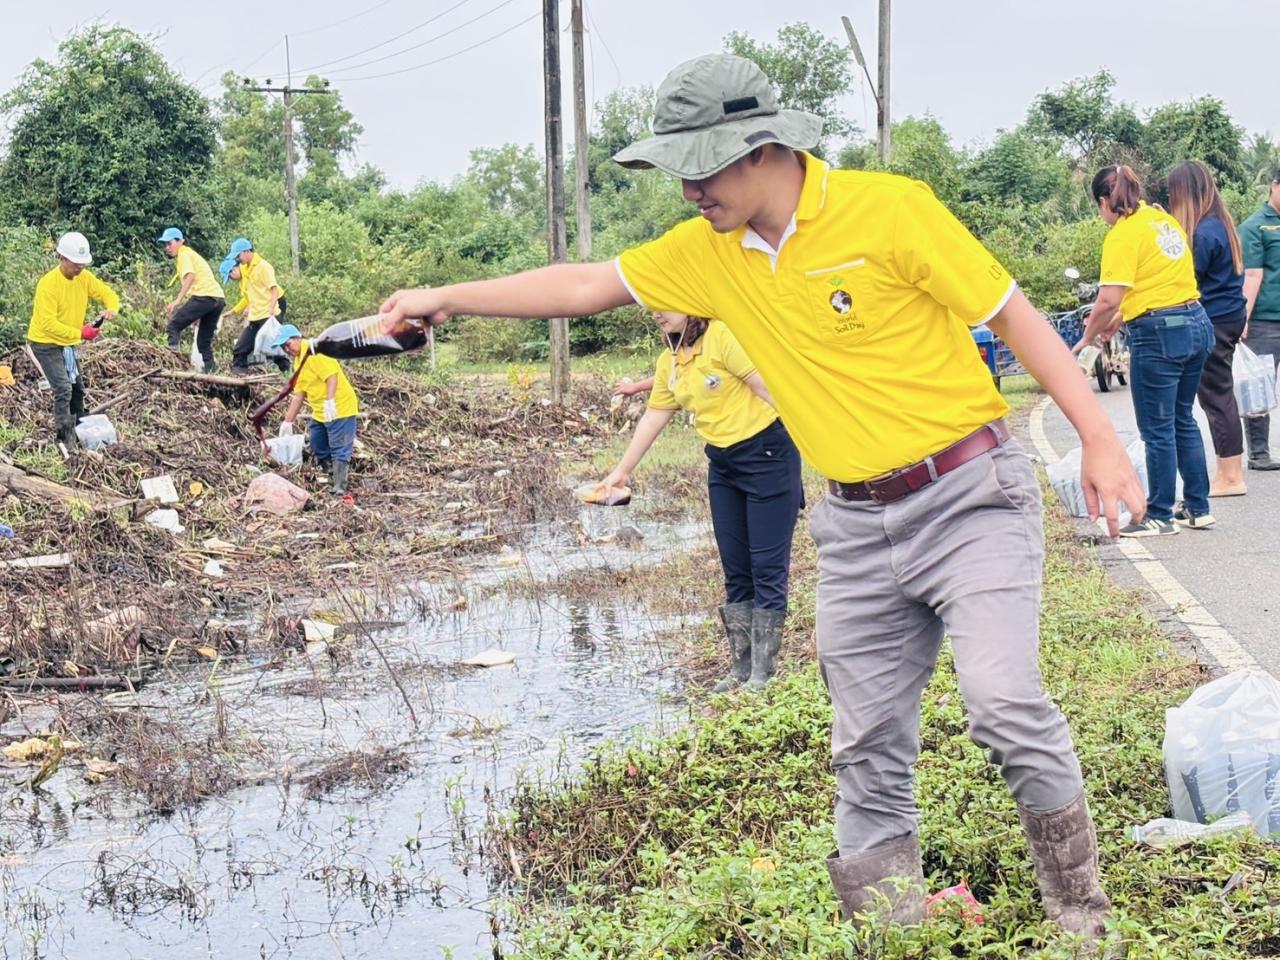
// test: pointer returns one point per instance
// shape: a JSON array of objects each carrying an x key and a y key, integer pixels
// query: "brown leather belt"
[{"x": 900, "y": 483}]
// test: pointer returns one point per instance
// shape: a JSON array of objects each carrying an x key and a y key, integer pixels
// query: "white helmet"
[{"x": 75, "y": 247}]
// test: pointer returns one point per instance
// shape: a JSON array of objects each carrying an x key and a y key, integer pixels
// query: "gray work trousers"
[
  {"x": 964, "y": 556},
  {"x": 68, "y": 396},
  {"x": 1264, "y": 338}
]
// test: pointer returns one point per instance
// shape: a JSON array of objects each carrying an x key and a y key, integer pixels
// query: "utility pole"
[
  {"x": 287, "y": 92},
  {"x": 882, "y": 72},
  {"x": 581, "y": 139},
  {"x": 881, "y": 90},
  {"x": 559, "y": 326}
]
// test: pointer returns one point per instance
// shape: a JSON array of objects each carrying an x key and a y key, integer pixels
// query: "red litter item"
[
  {"x": 970, "y": 908},
  {"x": 89, "y": 332}
]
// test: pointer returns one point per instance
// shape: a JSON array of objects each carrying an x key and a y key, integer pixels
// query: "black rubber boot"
[
  {"x": 1258, "y": 432},
  {"x": 766, "y": 638},
  {"x": 67, "y": 433},
  {"x": 340, "y": 468},
  {"x": 737, "y": 626}
]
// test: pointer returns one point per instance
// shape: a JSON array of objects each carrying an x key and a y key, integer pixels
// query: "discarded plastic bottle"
[{"x": 366, "y": 337}]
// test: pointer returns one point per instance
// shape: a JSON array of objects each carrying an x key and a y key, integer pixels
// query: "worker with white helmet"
[{"x": 58, "y": 327}]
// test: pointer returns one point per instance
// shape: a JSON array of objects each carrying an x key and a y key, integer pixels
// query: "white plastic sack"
[
  {"x": 96, "y": 431},
  {"x": 197, "y": 361},
  {"x": 1222, "y": 751},
  {"x": 1255, "y": 382},
  {"x": 165, "y": 520},
  {"x": 1065, "y": 477},
  {"x": 286, "y": 451},
  {"x": 265, "y": 342},
  {"x": 275, "y": 494}
]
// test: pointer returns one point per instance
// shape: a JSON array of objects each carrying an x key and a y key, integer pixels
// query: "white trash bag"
[
  {"x": 1065, "y": 477},
  {"x": 264, "y": 344},
  {"x": 286, "y": 451},
  {"x": 96, "y": 431},
  {"x": 197, "y": 361},
  {"x": 1222, "y": 751},
  {"x": 1255, "y": 382}
]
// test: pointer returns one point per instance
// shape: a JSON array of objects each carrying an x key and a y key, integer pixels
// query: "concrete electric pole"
[
  {"x": 556, "y": 241},
  {"x": 581, "y": 139},
  {"x": 878, "y": 90}
]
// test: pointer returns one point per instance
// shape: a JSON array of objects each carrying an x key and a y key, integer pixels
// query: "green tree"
[
  {"x": 109, "y": 141},
  {"x": 1018, "y": 166},
  {"x": 921, "y": 149},
  {"x": 1084, "y": 117},
  {"x": 1260, "y": 159},
  {"x": 1198, "y": 130},
  {"x": 809, "y": 70},
  {"x": 510, "y": 178}
]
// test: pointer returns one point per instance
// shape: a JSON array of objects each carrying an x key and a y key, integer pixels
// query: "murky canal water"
[{"x": 283, "y": 867}]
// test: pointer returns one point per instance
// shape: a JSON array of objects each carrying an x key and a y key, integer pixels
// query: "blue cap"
[
  {"x": 170, "y": 233},
  {"x": 238, "y": 246},
  {"x": 287, "y": 333},
  {"x": 225, "y": 268}
]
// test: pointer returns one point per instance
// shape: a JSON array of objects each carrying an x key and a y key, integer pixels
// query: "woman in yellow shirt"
[
  {"x": 1148, "y": 282},
  {"x": 334, "y": 405},
  {"x": 753, "y": 480}
]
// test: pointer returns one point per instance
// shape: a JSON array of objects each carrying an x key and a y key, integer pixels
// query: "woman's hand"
[
  {"x": 615, "y": 479},
  {"x": 409, "y": 305}
]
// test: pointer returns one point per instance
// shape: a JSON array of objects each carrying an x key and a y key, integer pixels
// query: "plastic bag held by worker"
[
  {"x": 265, "y": 341},
  {"x": 275, "y": 494},
  {"x": 286, "y": 451},
  {"x": 1255, "y": 382},
  {"x": 1222, "y": 751},
  {"x": 1064, "y": 476}
]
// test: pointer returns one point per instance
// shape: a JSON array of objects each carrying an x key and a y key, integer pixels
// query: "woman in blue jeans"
[{"x": 1148, "y": 282}]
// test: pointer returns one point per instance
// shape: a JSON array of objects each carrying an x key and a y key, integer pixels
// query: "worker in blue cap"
[
  {"x": 200, "y": 298},
  {"x": 259, "y": 287},
  {"x": 334, "y": 405}
]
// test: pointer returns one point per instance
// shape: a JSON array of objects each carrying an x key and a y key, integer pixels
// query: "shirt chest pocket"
[{"x": 842, "y": 302}]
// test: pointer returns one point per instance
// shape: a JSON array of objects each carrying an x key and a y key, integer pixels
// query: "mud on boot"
[
  {"x": 1064, "y": 849},
  {"x": 340, "y": 469},
  {"x": 736, "y": 618},
  {"x": 886, "y": 881},
  {"x": 766, "y": 639}
]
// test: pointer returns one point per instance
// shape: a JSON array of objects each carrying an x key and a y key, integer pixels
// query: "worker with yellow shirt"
[
  {"x": 58, "y": 327},
  {"x": 236, "y": 273},
  {"x": 853, "y": 293},
  {"x": 753, "y": 480},
  {"x": 334, "y": 405},
  {"x": 259, "y": 288},
  {"x": 200, "y": 299},
  {"x": 1148, "y": 283}
]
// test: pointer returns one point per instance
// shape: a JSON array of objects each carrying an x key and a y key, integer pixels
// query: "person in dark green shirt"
[{"x": 1260, "y": 238}]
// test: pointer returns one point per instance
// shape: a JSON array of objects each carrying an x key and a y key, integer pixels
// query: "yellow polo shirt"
[
  {"x": 244, "y": 296},
  {"x": 59, "y": 310},
  {"x": 1148, "y": 252},
  {"x": 257, "y": 277},
  {"x": 860, "y": 325},
  {"x": 312, "y": 383},
  {"x": 709, "y": 380},
  {"x": 188, "y": 261}
]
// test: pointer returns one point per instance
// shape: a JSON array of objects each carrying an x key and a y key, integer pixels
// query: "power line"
[
  {"x": 376, "y": 46},
  {"x": 227, "y": 63},
  {"x": 456, "y": 53},
  {"x": 596, "y": 29},
  {"x": 429, "y": 40},
  {"x": 338, "y": 23}
]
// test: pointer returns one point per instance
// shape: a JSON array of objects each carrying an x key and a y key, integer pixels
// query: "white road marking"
[{"x": 1217, "y": 640}]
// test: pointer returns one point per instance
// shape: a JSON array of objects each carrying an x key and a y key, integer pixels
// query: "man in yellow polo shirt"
[
  {"x": 258, "y": 285},
  {"x": 58, "y": 327},
  {"x": 326, "y": 389},
  {"x": 200, "y": 299},
  {"x": 853, "y": 294}
]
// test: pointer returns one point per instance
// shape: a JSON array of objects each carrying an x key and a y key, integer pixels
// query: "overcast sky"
[{"x": 974, "y": 64}]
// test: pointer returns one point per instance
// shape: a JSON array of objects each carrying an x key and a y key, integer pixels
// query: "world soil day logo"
[{"x": 1170, "y": 241}]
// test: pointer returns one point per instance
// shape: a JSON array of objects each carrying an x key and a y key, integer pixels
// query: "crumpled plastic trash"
[
  {"x": 165, "y": 520},
  {"x": 275, "y": 494},
  {"x": 969, "y": 907},
  {"x": 6, "y": 532},
  {"x": 95, "y": 431}
]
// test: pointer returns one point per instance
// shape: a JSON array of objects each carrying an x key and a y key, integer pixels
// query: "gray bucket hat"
[{"x": 712, "y": 111}]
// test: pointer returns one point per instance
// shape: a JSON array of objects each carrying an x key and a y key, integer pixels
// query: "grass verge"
[{"x": 710, "y": 842}]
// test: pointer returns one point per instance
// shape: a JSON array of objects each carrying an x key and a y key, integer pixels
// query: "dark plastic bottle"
[{"x": 365, "y": 337}]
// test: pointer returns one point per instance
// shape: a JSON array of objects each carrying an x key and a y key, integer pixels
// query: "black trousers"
[
  {"x": 204, "y": 311},
  {"x": 244, "y": 343},
  {"x": 1217, "y": 394},
  {"x": 756, "y": 498}
]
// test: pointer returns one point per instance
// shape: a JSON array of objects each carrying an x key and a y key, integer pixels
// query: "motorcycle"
[{"x": 1110, "y": 366}]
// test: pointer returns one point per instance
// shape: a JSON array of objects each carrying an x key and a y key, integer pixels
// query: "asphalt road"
[{"x": 1233, "y": 568}]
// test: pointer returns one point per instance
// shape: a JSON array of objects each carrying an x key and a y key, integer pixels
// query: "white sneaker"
[{"x": 1150, "y": 527}]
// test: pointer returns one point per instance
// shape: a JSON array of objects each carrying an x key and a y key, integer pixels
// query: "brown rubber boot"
[
  {"x": 886, "y": 880},
  {"x": 1064, "y": 849},
  {"x": 737, "y": 626}
]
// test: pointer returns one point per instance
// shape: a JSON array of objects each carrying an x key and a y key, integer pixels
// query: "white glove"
[
  {"x": 286, "y": 428},
  {"x": 330, "y": 410}
]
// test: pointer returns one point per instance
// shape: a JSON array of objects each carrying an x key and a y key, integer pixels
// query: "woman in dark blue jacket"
[{"x": 1195, "y": 202}]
